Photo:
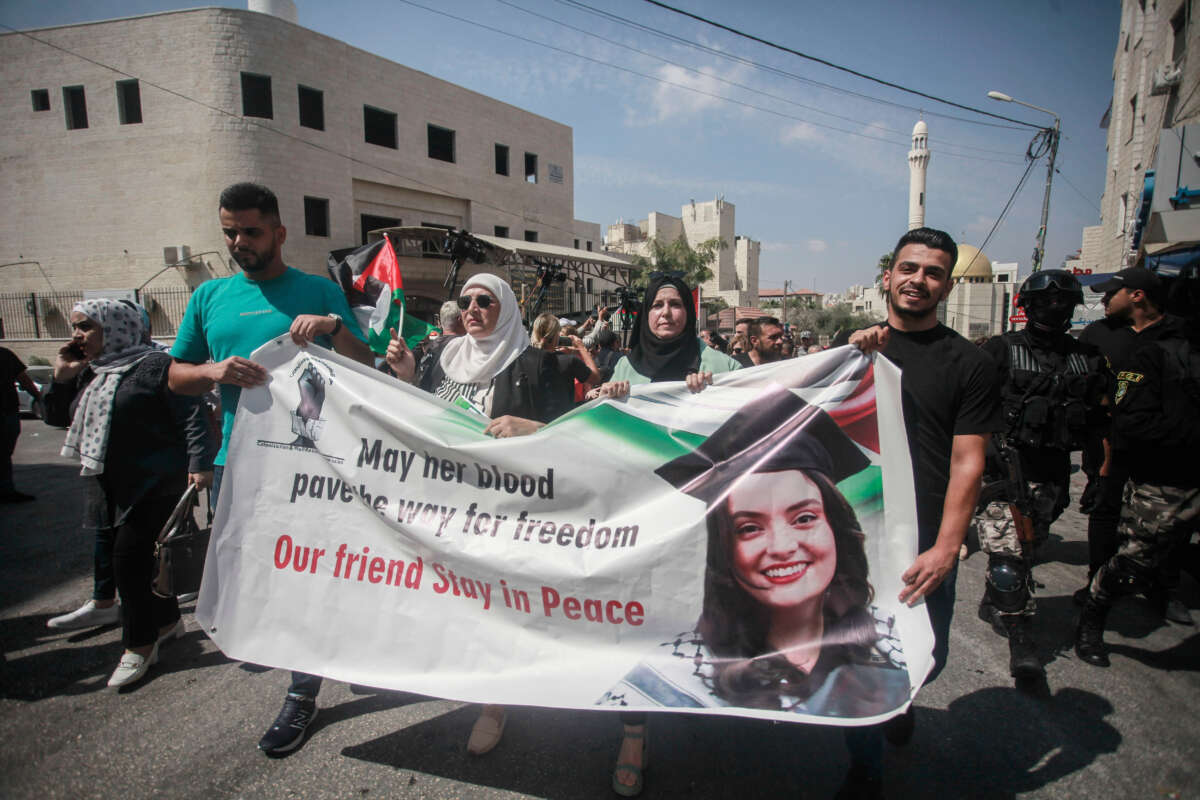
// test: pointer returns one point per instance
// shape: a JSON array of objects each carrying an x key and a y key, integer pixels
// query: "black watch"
[{"x": 337, "y": 324}]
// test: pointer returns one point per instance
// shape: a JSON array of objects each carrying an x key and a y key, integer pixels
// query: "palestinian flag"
[{"x": 370, "y": 277}]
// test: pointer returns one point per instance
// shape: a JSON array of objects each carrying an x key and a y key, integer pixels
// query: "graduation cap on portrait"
[{"x": 777, "y": 431}]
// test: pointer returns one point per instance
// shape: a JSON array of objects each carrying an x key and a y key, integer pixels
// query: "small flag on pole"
[{"x": 370, "y": 277}]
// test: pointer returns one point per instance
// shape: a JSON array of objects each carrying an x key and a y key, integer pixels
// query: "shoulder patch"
[
  {"x": 1131, "y": 377},
  {"x": 1122, "y": 388}
]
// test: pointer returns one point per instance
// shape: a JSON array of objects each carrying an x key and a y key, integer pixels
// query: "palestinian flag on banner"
[{"x": 370, "y": 277}]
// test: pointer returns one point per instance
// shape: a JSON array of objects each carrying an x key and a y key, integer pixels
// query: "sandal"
[{"x": 637, "y": 772}]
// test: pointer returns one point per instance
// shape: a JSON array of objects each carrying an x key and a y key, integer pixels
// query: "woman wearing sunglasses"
[
  {"x": 495, "y": 369},
  {"x": 664, "y": 347}
]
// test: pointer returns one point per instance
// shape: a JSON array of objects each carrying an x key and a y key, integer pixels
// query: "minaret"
[{"x": 918, "y": 162}]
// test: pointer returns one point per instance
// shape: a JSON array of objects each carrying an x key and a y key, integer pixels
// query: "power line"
[
  {"x": 683, "y": 86},
  {"x": 718, "y": 78},
  {"x": 839, "y": 67},
  {"x": 781, "y": 72},
  {"x": 1003, "y": 212},
  {"x": 1079, "y": 192}
]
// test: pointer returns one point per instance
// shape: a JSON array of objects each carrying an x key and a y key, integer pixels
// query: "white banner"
[{"x": 369, "y": 532}]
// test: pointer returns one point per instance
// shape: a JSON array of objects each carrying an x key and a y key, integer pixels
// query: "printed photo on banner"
[{"x": 788, "y": 620}]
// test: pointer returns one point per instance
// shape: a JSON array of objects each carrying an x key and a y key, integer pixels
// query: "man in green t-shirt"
[{"x": 225, "y": 321}]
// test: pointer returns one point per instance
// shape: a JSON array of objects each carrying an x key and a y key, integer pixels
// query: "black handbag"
[{"x": 180, "y": 549}]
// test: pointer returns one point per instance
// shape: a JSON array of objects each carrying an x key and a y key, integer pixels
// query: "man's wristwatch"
[{"x": 337, "y": 324}]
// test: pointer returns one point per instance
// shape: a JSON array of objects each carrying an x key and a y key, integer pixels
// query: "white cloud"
[
  {"x": 623, "y": 173},
  {"x": 800, "y": 132},
  {"x": 816, "y": 245}
]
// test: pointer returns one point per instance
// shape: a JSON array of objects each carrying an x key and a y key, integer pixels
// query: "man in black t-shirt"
[
  {"x": 950, "y": 403},
  {"x": 12, "y": 371}
]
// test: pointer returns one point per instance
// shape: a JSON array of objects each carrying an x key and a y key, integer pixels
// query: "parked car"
[{"x": 42, "y": 376}]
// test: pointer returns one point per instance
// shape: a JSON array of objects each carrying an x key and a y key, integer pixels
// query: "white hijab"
[{"x": 471, "y": 359}]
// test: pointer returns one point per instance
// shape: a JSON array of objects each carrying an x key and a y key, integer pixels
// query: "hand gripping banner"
[{"x": 736, "y": 551}]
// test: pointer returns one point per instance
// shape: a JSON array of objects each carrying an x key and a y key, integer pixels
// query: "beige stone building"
[
  {"x": 1151, "y": 126},
  {"x": 735, "y": 275},
  {"x": 118, "y": 136},
  {"x": 981, "y": 302}
]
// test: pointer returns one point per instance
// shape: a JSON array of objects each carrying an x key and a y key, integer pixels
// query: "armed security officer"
[
  {"x": 1156, "y": 431},
  {"x": 1046, "y": 383}
]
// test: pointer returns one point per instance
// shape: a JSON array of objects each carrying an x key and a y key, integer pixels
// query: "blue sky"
[{"x": 806, "y": 169}]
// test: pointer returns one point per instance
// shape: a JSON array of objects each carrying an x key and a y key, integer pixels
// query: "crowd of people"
[{"x": 990, "y": 432}]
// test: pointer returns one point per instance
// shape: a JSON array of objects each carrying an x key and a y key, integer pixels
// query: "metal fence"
[{"x": 46, "y": 315}]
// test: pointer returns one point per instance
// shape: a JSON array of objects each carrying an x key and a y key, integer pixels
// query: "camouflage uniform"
[
  {"x": 997, "y": 534},
  {"x": 1154, "y": 518}
]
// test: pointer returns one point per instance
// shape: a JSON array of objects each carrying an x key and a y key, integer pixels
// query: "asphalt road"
[{"x": 190, "y": 729}]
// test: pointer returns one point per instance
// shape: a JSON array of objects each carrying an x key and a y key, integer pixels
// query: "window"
[
  {"x": 555, "y": 172},
  {"x": 75, "y": 107},
  {"x": 256, "y": 96},
  {"x": 531, "y": 168},
  {"x": 370, "y": 222},
  {"x": 1179, "y": 24},
  {"x": 576, "y": 244},
  {"x": 316, "y": 216},
  {"x": 589, "y": 246},
  {"x": 41, "y": 99},
  {"x": 379, "y": 127},
  {"x": 1132, "y": 117},
  {"x": 501, "y": 231},
  {"x": 501, "y": 159},
  {"x": 531, "y": 236},
  {"x": 129, "y": 102},
  {"x": 441, "y": 143},
  {"x": 312, "y": 108}
]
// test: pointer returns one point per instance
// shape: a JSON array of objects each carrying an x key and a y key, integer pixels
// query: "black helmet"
[
  {"x": 1049, "y": 297},
  {"x": 1050, "y": 280}
]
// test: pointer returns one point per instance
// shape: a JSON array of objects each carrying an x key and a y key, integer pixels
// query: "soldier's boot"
[
  {"x": 1089, "y": 636},
  {"x": 988, "y": 614},
  {"x": 1023, "y": 661}
]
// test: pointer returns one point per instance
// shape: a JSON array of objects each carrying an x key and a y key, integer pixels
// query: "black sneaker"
[{"x": 287, "y": 732}]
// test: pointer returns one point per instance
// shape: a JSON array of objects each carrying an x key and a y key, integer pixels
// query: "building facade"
[
  {"x": 1147, "y": 208},
  {"x": 981, "y": 302},
  {"x": 735, "y": 273},
  {"x": 116, "y": 169}
]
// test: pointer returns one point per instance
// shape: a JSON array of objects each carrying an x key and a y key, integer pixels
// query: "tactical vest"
[{"x": 1044, "y": 396}]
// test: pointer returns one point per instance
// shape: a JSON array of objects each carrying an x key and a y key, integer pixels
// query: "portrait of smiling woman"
[{"x": 788, "y": 621}]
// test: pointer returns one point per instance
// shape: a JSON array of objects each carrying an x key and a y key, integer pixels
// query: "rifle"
[{"x": 1010, "y": 487}]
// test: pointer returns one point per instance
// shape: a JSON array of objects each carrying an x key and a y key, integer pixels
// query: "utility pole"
[
  {"x": 786, "y": 284},
  {"x": 1041, "y": 240},
  {"x": 1039, "y": 252}
]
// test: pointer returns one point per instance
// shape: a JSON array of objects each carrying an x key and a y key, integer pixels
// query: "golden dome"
[{"x": 972, "y": 263}]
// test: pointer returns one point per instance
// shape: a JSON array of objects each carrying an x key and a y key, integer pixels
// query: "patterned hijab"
[
  {"x": 124, "y": 346},
  {"x": 479, "y": 359}
]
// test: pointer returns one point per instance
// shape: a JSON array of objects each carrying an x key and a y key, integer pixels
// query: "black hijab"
[{"x": 662, "y": 359}]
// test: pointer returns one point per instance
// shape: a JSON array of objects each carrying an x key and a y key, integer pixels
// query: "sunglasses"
[
  {"x": 481, "y": 300},
  {"x": 671, "y": 273}
]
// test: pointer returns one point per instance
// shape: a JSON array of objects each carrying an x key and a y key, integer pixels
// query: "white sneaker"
[
  {"x": 132, "y": 668},
  {"x": 86, "y": 616},
  {"x": 176, "y": 630}
]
